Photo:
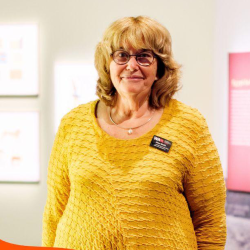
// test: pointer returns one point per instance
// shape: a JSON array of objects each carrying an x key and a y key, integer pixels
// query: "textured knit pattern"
[{"x": 106, "y": 193}]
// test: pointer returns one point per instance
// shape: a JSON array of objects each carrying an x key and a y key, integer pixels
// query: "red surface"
[{"x": 239, "y": 155}]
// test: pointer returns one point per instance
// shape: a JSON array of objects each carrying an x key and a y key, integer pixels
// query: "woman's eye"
[
  {"x": 144, "y": 55},
  {"x": 122, "y": 54}
]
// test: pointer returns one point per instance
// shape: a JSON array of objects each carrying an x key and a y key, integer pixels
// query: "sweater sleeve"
[
  {"x": 206, "y": 193},
  {"x": 58, "y": 187}
]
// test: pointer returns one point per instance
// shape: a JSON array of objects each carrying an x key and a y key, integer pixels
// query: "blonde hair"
[{"x": 141, "y": 33}]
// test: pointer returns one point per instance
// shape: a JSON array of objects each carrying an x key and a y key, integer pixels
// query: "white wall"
[
  {"x": 232, "y": 34},
  {"x": 69, "y": 31}
]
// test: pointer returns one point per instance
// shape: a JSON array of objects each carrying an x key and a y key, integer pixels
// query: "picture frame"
[
  {"x": 75, "y": 84},
  {"x": 18, "y": 60},
  {"x": 19, "y": 146}
]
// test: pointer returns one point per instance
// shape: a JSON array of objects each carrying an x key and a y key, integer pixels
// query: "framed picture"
[
  {"x": 18, "y": 60},
  {"x": 19, "y": 147},
  {"x": 75, "y": 84}
]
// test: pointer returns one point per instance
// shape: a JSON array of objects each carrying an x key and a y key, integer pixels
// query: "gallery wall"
[
  {"x": 68, "y": 33},
  {"x": 232, "y": 35}
]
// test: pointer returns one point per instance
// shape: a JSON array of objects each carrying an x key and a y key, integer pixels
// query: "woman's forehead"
[
  {"x": 128, "y": 42},
  {"x": 133, "y": 47}
]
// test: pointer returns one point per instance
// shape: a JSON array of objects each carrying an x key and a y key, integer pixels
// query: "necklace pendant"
[{"x": 130, "y": 131}]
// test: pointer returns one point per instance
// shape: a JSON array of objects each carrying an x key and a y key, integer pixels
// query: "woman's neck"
[{"x": 130, "y": 109}]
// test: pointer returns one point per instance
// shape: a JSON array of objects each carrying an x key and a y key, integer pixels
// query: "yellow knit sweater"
[{"x": 112, "y": 194}]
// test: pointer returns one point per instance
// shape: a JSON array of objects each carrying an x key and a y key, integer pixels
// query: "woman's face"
[{"x": 132, "y": 78}]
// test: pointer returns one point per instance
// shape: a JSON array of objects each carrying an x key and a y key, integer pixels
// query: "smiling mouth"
[{"x": 133, "y": 77}]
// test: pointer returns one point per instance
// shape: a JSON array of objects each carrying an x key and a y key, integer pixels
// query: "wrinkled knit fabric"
[{"x": 106, "y": 193}]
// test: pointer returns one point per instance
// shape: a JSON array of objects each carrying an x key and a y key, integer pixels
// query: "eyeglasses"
[{"x": 144, "y": 58}]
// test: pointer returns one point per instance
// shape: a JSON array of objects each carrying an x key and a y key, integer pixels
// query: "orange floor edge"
[{"x": 8, "y": 246}]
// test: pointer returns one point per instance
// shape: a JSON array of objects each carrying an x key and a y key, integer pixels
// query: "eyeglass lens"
[{"x": 143, "y": 58}]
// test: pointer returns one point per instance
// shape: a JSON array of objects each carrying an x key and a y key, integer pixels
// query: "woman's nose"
[{"x": 132, "y": 64}]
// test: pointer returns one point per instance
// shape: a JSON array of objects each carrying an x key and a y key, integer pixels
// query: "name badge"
[{"x": 161, "y": 143}]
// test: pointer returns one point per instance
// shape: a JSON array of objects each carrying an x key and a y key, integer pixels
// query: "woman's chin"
[{"x": 132, "y": 90}]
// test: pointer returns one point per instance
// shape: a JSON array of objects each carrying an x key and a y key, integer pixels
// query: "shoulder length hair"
[{"x": 141, "y": 33}]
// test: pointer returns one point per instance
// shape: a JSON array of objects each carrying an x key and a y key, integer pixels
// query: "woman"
[{"x": 135, "y": 169}]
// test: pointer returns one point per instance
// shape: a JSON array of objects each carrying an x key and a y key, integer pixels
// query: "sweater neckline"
[{"x": 150, "y": 133}]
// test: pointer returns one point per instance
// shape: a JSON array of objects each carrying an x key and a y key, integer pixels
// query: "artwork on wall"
[
  {"x": 18, "y": 60},
  {"x": 75, "y": 84},
  {"x": 19, "y": 147},
  {"x": 239, "y": 120}
]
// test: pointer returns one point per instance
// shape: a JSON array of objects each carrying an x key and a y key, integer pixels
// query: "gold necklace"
[{"x": 130, "y": 130}]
